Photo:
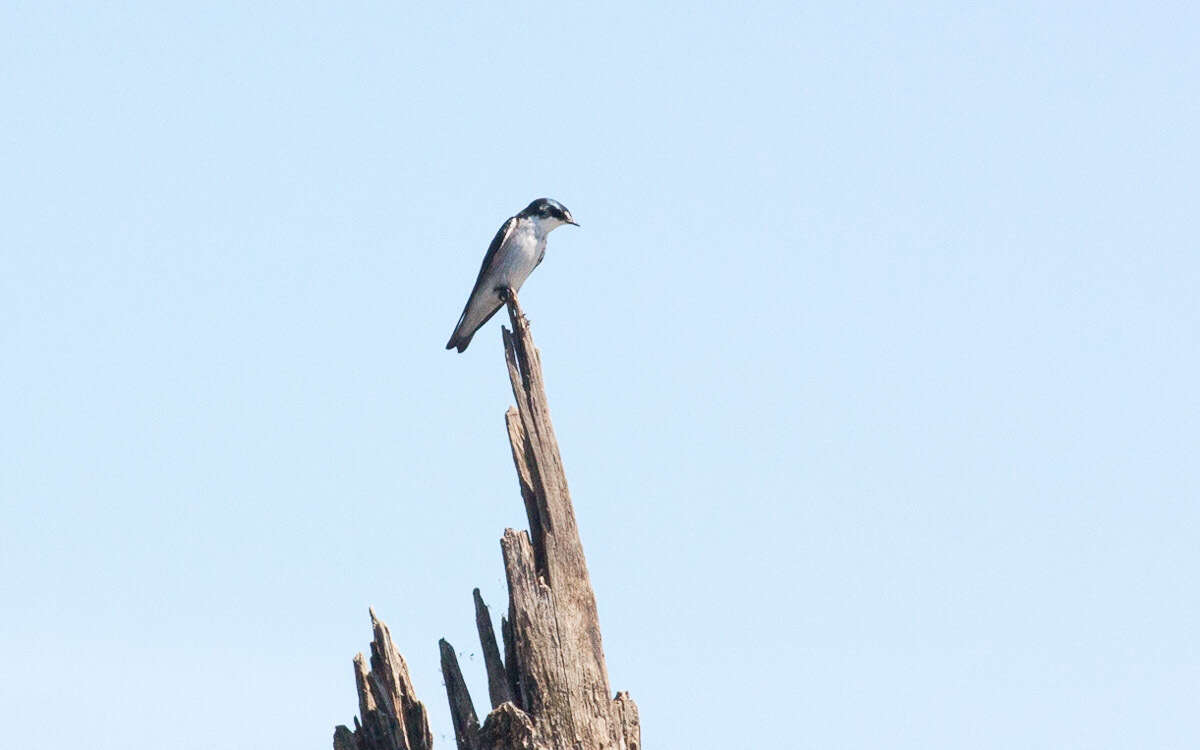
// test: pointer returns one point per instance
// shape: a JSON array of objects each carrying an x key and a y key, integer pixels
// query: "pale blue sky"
[{"x": 873, "y": 364}]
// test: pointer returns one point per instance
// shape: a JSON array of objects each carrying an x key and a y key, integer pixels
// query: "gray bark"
[
  {"x": 392, "y": 717},
  {"x": 551, "y": 690}
]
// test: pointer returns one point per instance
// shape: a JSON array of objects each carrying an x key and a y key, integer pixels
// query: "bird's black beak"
[{"x": 571, "y": 221}]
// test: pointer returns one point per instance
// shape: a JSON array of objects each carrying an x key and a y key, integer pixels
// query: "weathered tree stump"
[{"x": 550, "y": 690}]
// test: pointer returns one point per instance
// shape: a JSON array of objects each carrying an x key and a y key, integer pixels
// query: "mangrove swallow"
[{"x": 515, "y": 251}]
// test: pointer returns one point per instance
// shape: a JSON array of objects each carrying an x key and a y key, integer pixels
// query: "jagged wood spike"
[
  {"x": 386, "y": 658},
  {"x": 552, "y": 608},
  {"x": 366, "y": 701},
  {"x": 394, "y": 681},
  {"x": 462, "y": 710},
  {"x": 510, "y": 662},
  {"x": 497, "y": 677},
  {"x": 391, "y": 716}
]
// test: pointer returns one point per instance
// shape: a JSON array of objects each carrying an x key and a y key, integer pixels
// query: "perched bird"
[{"x": 515, "y": 251}]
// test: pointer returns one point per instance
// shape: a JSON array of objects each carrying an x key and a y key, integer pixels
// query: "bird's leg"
[{"x": 508, "y": 296}]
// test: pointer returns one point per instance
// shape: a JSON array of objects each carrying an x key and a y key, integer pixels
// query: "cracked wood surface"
[{"x": 391, "y": 716}]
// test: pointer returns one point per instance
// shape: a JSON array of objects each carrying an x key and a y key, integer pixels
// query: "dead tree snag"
[{"x": 550, "y": 691}]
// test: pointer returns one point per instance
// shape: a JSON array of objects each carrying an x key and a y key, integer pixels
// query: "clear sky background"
[{"x": 874, "y": 363}]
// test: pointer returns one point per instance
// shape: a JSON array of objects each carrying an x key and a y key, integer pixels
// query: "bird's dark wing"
[
  {"x": 461, "y": 338},
  {"x": 501, "y": 235}
]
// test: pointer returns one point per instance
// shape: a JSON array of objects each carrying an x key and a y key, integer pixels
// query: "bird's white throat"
[{"x": 543, "y": 225}]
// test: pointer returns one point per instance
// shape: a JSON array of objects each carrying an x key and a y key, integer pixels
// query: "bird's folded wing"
[{"x": 493, "y": 249}]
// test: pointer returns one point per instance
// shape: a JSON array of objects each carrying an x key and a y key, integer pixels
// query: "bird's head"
[{"x": 549, "y": 213}]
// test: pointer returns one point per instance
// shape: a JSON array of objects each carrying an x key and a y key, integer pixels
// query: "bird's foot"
[{"x": 508, "y": 296}]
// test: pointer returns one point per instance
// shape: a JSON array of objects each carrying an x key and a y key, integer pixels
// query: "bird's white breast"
[{"x": 519, "y": 255}]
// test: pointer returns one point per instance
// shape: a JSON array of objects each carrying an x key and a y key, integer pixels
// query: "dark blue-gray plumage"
[{"x": 515, "y": 251}]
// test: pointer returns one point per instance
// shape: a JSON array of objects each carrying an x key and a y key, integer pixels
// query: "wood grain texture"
[
  {"x": 509, "y": 728},
  {"x": 498, "y": 690},
  {"x": 392, "y": 717},
  {"x": 462, "y": 710}
]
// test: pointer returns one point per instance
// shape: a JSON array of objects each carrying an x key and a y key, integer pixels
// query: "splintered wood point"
[
  {"x": 391, "y": 716},
  {"x": 462, "y": 710},
  {"x": 498, "y": 690}
]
